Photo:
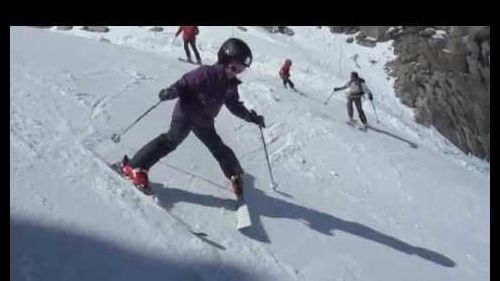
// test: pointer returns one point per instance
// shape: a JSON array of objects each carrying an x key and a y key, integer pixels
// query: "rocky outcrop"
[
  {"x": 65, "y": 27},
  {"x": 445, "y": 76},
  {"x": 367, "y": 36}
]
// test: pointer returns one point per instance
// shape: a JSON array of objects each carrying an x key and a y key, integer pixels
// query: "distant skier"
[
  {"x": 201, "y": 93},
  {"x": 285, "y": 74},
  {"x": 189, "y": 36},
  {"x": 357, "y": 88}
]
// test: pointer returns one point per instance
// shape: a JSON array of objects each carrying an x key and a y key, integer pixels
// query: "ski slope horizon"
[{"x": 350, "y": 205}]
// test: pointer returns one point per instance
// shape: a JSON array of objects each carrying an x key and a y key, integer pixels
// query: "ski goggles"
[{"x": 236, "y": 68}]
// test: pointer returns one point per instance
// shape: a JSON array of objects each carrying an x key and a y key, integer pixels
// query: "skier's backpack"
[
  {"x": 358, "y": 87},
  {"x": 362, "y": 86}
]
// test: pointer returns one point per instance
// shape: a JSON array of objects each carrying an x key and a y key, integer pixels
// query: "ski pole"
[
  {"x": 327, "y": 99},
  {"x": 274, "y": 185},
  {"x": 116, "y": 137},
  {"x": 173, "y": 44},
  {"x": 375, "y": 111}
]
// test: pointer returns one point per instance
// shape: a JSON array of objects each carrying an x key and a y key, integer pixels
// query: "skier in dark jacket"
[
  {"x": 357, "y": 88},
  {"x": 189, "y": 36},
  {"x": 201, "y": 93},
  {"x": 285, "y": 74}
]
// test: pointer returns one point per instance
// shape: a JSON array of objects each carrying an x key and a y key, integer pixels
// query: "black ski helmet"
[{"x": 234, "y": 49}]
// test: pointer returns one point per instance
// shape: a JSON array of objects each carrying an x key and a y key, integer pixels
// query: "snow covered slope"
[{"x": 350, "y": 205}]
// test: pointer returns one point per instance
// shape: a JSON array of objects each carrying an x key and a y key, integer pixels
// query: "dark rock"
[
  {"x": 376, "y": 32},
  {"x": 156, "y": 29},
  {"x": 393, "y": 32},
  {"x": 366, "y": 41},
  {"x": 279, "y": 29},
  {"x": 344, "y": 29},
  {"x": 96, "y": 28},
  {"x": 428, "y": 32}
]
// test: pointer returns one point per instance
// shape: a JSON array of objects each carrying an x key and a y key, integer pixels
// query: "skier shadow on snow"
[
  {"x": 264, "y": 204},
  {"x": 261, "y": 204},
  {"x": 378, "y": 130},
  {"x": 44, "y": 252},
  {"x": 168, "y": 196},
  {"x": 412, "y": 144}
]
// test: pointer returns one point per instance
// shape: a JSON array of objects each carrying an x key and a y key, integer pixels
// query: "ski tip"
[
  {"x": 243, "y": 227},
  {"x": 199, "y": 234},
  {"x": 243, "y": 217},
  {"x": 191, "y": 62}
]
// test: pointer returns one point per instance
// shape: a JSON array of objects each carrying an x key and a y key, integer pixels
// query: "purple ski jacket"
[{"x": 203, "y": 91}]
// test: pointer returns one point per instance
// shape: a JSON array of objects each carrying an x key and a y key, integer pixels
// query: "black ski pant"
[
  {"x": 286, "y": 80},
  {"x": 165, "y": 143},
  {"x": 357, "y": 101},
  {"x": 191, "y": 42}
]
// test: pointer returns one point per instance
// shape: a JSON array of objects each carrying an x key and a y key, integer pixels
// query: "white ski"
[{"x": 242, "y": 215}]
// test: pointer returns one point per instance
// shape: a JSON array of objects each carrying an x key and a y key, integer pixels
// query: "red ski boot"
[{"x": 138, "y": 176}]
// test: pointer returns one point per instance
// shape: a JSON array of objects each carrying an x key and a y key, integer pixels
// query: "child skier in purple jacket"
[{"x": 201, "y": 93}]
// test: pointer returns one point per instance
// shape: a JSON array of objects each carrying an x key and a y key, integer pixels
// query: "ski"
[
  {"x": 354, "y": 124},
  {"x": 242, "y": 214},
  {"x": 297, "y": 91},
  {"x": 186, "y": 61},
  {"x": 200, "y": 235}
]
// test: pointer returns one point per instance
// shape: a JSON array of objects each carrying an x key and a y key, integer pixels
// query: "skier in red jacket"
[
  {"x": 285, "y": 74},
  {"x": 189, "y": 36}
]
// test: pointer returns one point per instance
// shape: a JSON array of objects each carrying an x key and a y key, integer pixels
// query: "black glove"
[
  {"x": 335, "y": 89},
  {"x": 257, "y": 119},
  {"x": 168, "y": 94},
  {"x": 370, "y": 96}
]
